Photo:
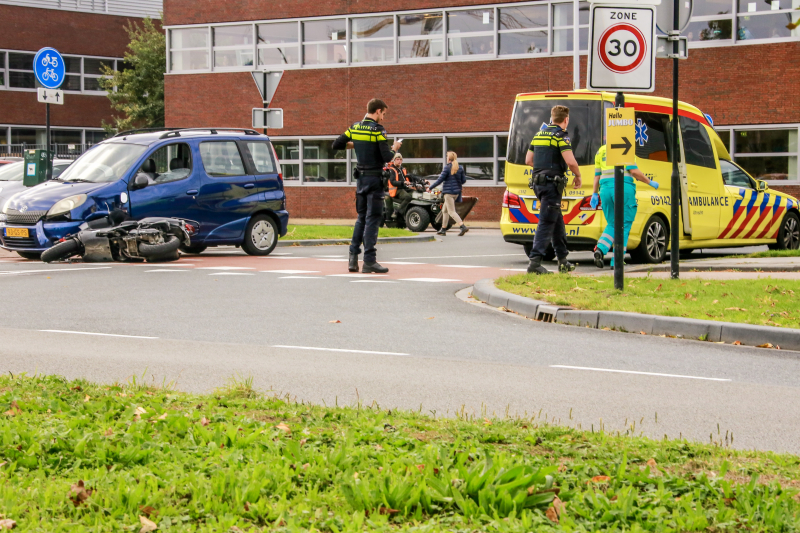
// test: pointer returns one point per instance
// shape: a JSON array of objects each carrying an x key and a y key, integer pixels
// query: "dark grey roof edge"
[{"x": 688, "y": 328}]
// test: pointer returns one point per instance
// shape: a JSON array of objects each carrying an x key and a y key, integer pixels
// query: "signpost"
[
  {"x": 49, "y": 69},
  {"x": 267, "y": 83}
]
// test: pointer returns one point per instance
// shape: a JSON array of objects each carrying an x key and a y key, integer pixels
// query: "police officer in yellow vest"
[
  {"x": 551, "y": 155},
  {"x": 368, "y": 139},
  {"x": 604, "y": 182}
]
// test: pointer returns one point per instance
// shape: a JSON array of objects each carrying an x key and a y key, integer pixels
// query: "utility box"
[{"x": 37, "y": 163}]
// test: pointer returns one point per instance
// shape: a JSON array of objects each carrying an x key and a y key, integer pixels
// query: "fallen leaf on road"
[
  {"x": 430, "y": 318},
  {"x": 7, "y": 523},
  {"x": 283, "y": 427},
  {"x": 600, "y": 479},
  {"x": 334, "y": 322},
  {"x": 687, "y": 295},
  {"x": 204, "y": 421},
  {"x": 552, "y": 514},
  {"x": 642, "y": 333},
  {"x": 559, "y": 506},
  {"x": 765, "y": 345},
  {"x": 737, "y": 343},
  {"x": 147, "y": 525},
  {"x": 78, "y": 493}
]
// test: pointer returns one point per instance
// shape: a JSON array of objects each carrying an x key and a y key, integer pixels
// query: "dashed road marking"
[
  {"x": 226, "y": 268},
  {"x": 166, "y": 270},
  {"x": 373, "y": 281},
  {"x": 14, "y": 272},
  {"x": 635, "y": 372},
  {"x": 97, "y": 334},
  {"x": 300, "y": 277},
  {"x": 400, "y": 263},
  {"x": 356, "y": 275},
  {"x": 336, "y": 350},
  {"x": 231, "y": 274},
  {"x": 458, "y": 256},
  {"x": 291, "y": 271},
  {"x": 461, "y": 266}
]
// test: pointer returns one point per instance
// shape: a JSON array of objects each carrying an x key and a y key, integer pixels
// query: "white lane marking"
[
  {"x": 336, "y": 350},
  {"x": 457, "y": 256},
  {"x": 515, "y": 269},
  {"x": 300, "y": 277},
  {"x": 97, "y": 334},
  {"x": 430, "y": 280},
  {"x": 165, "y": 265},
  {"x": 291, "y": 271},
  {"x": 231, "y": 274},
  {"x": 166, "y": 270},
  {"x": 226, "y": 268},
  {"x": 329, "y": 256},
  {"x": 462, "y": 266},
  {"x": 281, "y": 253},
  {"x": 356, "y": 275},
  {"x": 336, "y": 260},
  {"x": 400, "y": 263},
  {"x": 372, "y": 281},
  {"x": 12, "y": 272},
  {"x": 282, "y": 257},
  {"x": 635, "y": 372}
]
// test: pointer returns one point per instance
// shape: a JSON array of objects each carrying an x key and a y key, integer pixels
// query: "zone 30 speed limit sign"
[{"x": 622, "y": 56}]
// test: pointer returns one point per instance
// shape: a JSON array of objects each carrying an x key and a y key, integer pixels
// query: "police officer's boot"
[
  {"x": 373, "y": 268},
  {"x": 353, "y": 265},
  {"x": 535, "y": 266},
  {"x": 564, "y": 266}
]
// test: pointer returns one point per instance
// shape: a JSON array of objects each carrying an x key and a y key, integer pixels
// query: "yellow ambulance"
[{"x": 721, "y": 204}]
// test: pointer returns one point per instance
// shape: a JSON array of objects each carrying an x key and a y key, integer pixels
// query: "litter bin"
[{"x": 37, "y": 163}]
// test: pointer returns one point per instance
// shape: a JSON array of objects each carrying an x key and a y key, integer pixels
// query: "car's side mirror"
[
  {"x": 762, "y": 185},
  {"x": 140, "y": 182}
]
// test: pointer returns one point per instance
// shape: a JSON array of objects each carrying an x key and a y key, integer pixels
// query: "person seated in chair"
[{"x": 399, "y": 187}]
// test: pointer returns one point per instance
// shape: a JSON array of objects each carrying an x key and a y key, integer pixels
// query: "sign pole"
[
  {"x": 619, "y": 214},
  {"x": 675, "y": 185},
  {"x": 47, "y": 147}
]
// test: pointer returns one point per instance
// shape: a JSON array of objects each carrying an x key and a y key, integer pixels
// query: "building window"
[
  {"x": 421, "y": 35},
  {"x": 470, "y": 33},
  {"x": 523, "y": 30},
  {"x": 729, "y": 21},
  {"x": 325, "y": 42},
  {"x": 289, "y": 156},
  {"x": 372, "y": 39},
  {"x": 2, "y": 70},
  {"x": 20, "y": 71},
  {"x": 233, "y": 46},
  {"x": 189, "y": 49},
  {"x": 279, "y": 44},
  {"x": 767, "y": 154},
  {"x": 321, "y": 163},
  {"x": 82, "y": 74},
  {"x": 93, "y": 72},
  {"x": 564, "y": 26},
  {"x": 475, "y": 154}
]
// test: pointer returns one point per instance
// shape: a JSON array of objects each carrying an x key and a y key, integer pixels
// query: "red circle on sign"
[{"x": 608, "y": 62}]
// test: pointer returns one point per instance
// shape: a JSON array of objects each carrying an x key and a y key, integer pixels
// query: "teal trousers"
[{"x": 606, "y": 242}]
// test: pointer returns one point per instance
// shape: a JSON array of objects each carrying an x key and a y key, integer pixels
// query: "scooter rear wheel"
[
  {"x": 61, "y": 251},
  {"x": 157, "y": 250}
]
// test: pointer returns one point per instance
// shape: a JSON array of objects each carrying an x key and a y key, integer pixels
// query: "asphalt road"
[{"x": 300, "y": 326}]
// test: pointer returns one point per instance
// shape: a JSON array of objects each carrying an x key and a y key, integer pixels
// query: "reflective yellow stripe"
[{"x": 364, "y": 137}]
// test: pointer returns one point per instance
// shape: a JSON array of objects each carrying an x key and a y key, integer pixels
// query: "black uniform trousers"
[
  {"x": 551, "y": 222},
  {"x": 369, "y": 206}
]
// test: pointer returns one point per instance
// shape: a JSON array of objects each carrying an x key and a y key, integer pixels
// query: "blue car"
[{"x": 228, "y": 180}]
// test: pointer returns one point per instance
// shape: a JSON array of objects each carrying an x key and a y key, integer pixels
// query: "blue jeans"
[{"x": 606, "y": 241}]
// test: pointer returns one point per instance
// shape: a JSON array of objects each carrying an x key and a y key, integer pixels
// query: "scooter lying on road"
[{"x": 112, "y": 238}]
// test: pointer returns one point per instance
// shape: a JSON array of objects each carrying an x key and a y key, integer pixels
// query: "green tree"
[{"x": 137, "y": 91}]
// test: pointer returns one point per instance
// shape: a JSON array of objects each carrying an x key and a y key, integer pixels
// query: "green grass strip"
[
  {"x": 337, "y": 232},
  {"x": 766, "y": 301},
  {"x": 769, "y": 253},
  {"x": 80, "y": 457}
]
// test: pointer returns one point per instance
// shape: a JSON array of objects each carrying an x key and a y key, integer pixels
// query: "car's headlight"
[{"x": 66, "y": 205}]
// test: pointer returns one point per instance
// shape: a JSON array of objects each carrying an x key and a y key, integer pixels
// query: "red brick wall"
[
  {"x": 29, "y": 29},
  {"x": 339, "y": 202}
]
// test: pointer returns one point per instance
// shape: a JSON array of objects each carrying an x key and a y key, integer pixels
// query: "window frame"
[
  {"x": 298, "y": 44},
  {"x": 733, "y": 16},
  {"x": 6, "y": 64},
  {"x": 253, "y": 48}
]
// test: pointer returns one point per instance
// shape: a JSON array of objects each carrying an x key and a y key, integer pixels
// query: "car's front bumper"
[{"x": 41, "y": 235}]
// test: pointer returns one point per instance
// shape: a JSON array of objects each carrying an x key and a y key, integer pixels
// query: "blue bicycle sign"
[{"x": 48, "y": 66}]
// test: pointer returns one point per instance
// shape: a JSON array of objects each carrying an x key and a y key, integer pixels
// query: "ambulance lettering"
[{"x": 708, "y": 201}]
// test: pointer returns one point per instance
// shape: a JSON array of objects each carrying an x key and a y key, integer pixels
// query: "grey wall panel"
[{"x": 127, "y": 8}]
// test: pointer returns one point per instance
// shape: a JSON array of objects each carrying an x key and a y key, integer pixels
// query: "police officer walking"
[
  {"x": 551, "y": 155},
  {"x": 368, "y": 139}
]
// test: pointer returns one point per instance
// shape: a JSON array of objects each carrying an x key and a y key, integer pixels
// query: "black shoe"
[
  {"x": 373, "y": 268},
  {"x": 565, "y": 267},
  {"x": 464, "y": 229},
  {"x": 442, "y": 232},
  {"x": 353, "y": 265},
  {"x": 535, "y": 267},
  {"x": 599, "y": 262}
]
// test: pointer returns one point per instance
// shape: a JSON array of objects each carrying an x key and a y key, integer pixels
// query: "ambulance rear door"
[{"x": 705, "y": 192}]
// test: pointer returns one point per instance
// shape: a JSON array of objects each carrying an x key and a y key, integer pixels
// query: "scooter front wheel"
[
  {"x": 168, "y": 247},
  {"x": 61, "y": 251}
]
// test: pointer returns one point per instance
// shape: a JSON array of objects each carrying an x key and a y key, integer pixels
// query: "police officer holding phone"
[
  {"x": 368, "y": 139},
  {"x": 551, "y": 155}
]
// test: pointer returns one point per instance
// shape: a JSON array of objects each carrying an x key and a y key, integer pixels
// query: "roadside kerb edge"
[
  {"x": 687, "y": 328},
  {"x": 381, "y": 240}
]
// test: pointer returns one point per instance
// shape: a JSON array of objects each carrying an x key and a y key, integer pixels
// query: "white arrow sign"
[
  {"x": 50, "y": 96},
  {"x": 622, "y": 56}
]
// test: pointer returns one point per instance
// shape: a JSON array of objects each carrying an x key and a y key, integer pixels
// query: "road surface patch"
[
  {"x": 291, "y": 271},
  {"x": 657, "y": 374},
  {"x": 432, "y": 280},
  {"x": 343, "y": 350},
  {"x": 95, "y": 334}
]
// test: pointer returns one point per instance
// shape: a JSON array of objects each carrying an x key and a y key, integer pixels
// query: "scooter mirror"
[{"x": 140, "y": 182}]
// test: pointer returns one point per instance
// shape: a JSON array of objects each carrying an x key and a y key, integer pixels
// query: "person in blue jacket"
[
  {"x": 453, "y": 177},
  {"x": 604, "y": 181}
]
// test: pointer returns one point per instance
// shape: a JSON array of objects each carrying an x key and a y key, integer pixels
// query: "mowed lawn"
[
  {"x": 81, "y": 457},
  {"x": 337, "y": 232},
  {"x": 772, "y": 302}
]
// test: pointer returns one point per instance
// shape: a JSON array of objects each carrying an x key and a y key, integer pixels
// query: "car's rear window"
[
  {"x": 585, "y": 127},
  {"x": 222, "y": 158},
  {"x": 262, "y": 157}
]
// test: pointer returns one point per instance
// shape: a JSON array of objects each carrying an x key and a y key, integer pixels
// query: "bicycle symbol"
[
  {"x": 49, "y": 74},
  {"x": 47, "y": 60}
]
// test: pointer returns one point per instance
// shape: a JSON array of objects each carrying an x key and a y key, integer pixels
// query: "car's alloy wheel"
[
  {"x": 263, "y": 235},
  {"x": 791, "y": 233},
  {"x": 656, "y": 240}
]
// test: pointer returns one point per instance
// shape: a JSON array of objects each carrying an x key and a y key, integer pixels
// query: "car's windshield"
[
  {"x": 104, "y": 163},
  {"x": 12, "y": 171},
  {"x": 585, "y": 127}
]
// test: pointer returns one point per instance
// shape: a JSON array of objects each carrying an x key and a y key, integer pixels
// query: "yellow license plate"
[
  {"x": 564, "y": 205},
  {"x": 17, "y": 232}
]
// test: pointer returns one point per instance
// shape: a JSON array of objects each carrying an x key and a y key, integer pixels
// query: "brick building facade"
[
  {"x": 87, "y": 34},
  {"x": 746, "y": 83}
]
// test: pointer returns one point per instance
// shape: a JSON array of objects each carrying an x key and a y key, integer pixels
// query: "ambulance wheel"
[
  {"x": 789, "y": 234},
  {"x": 653, "y": 246},
  {"x": 418, "y": 219}
]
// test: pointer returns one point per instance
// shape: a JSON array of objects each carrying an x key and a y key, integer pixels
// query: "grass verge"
[
  {"x": 769, "y": 253},
  {"x": 337, "y": 232},
  {"x": 76, "y": 457},
  {"x": 771, "y": 302}
]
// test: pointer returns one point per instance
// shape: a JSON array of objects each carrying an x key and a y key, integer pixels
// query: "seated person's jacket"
[{"x": 395, "y": 181}]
